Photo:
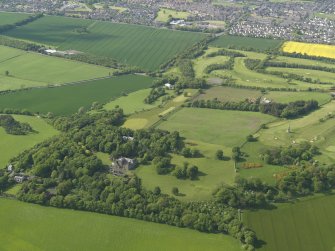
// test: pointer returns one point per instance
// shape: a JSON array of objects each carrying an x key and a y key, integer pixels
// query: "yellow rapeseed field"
[{"x": 320, "y": 50}]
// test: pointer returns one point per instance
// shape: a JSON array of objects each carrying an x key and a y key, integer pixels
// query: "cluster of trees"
[
  {"x": 227, "y": 53},
  {"x": 7, "y": 27},
  {"x": 291, "y": 110},
  {"x": 14, "y": 127},
  {"x": 305, "y": 56},
  {"x": 15, "y": 111},
  {"x": 186, "y": 68},
  {"x": 227, "y": 105},
  {"x": 20, "y": 44},
  {"x": 94, "y": 59},
  {"x": 154, "y": 94},
  {"x": 190, "y": 153},
  {"x": 291, "y": 155},
  {"x": 186, "y": 172},
  {"x": 298, "y": 66}
]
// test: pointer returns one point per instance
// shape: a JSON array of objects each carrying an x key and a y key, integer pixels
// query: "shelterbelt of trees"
[
  {"x": 290, "y": 110},
  {"x": 14, "y": 127}
]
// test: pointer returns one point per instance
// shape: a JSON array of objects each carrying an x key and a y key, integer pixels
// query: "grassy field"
[
  {"x": 303, "y": 226},
  {"x": 57, "y": 229},
  {"x": 165, "y": 14},
  {"x": 308, "y": 128},
  {"x": 229, "y": 94},
  {"x": 12, "y": 145},
  {"x": 286, "y": 97},
  {"x": 239, "y": 42},
  {"x": 319, "y": 50},
  {"x": 302, "y": 61},
  {"x": 148, "y": 118},
  {"x": 213, "y": 173},
  {"x": 73, "y": 97},
  {"x": 227, "y": 128},
  {"x": 322, "y": 76},
  {"x": 133, "y": 102},
  {"x": 136, "y": 45},
  {"x": 11, "y": 18},
  {"x": 246, "y": 77},
  {"x": 31, "y": 70}
]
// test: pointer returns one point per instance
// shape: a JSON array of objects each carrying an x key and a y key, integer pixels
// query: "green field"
[
  {"x": 136, "y": 45},
  {"x": 133, "y": 102},
  {"x": 227, "y": 128},
  {"x": 302, "y": 226},
  {"x": 225, "y": 94},
  {"x": 239, "y": 42},
  {"x": 165, "y": 14},
  {"x": 322, "y": 76},
  {"x": 201, "y": 63},
  {"x": 308, "y": 128},
  {"x": 28, "y": 69},
  {"x": 28, "y": 227},
  {"x": 68, "y": 99},
  {"x": 286, "y": 97},
  {"x": 12, "y": 145},
  {"x": 246, "y": 77},
  {"x": 11, "y": 17}
]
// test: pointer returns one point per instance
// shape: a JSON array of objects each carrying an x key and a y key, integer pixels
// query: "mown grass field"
[
  {"x": 68, "y": 99},
  {"x": 286, "y": 97},
  {"x": 319, "y": 50},
  {"x": 28, "y": 227},
  {"x": 227, "y": 128},
  {"x": 322, "y": 76},
  {"x": 12, "y": 145},
  {"x": 11, "y": 18},
  {"x": 136, "y": 45},
  {"x": 201, "y": 63},
  {"x": 27, "y": 69},
  {"x": 303, "y": 226},
  {"x": 229, "y": 94},
  {"x": 165, "y": 14},
  {"x": 239, "y": 42},
  {"x": 133, "y": 102}
]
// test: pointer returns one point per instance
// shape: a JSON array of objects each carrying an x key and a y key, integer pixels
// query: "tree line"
[{"x": 291, "y": 110}]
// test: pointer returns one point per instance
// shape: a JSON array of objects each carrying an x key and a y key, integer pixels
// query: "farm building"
[
  {"x": 169, "y": 86},
  {"x": 121, "y": 165},
  {"x": 19, "y": 178}
]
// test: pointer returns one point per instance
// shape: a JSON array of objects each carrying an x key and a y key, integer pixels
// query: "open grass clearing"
[
  {"x": 57, "y": 229},
  {"x": 286, "y": 97},
  {"x": 303, "y": 226},
  {"x": 133, "y": 102},
  {"x": 225, "y": 94},
  {"x": 151, "y": 117},
  {"x": 226, "y": 128},
  {"x": 136, "y": 45},
  {"x": 12, "y": 145},
  {"x": 322, "y": 76},
  {"x": 165, "y": 14},
  {"x": 73, "y": 97}
]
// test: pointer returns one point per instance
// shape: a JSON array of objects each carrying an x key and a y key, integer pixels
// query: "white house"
[{"x": 169, "y": 86}]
